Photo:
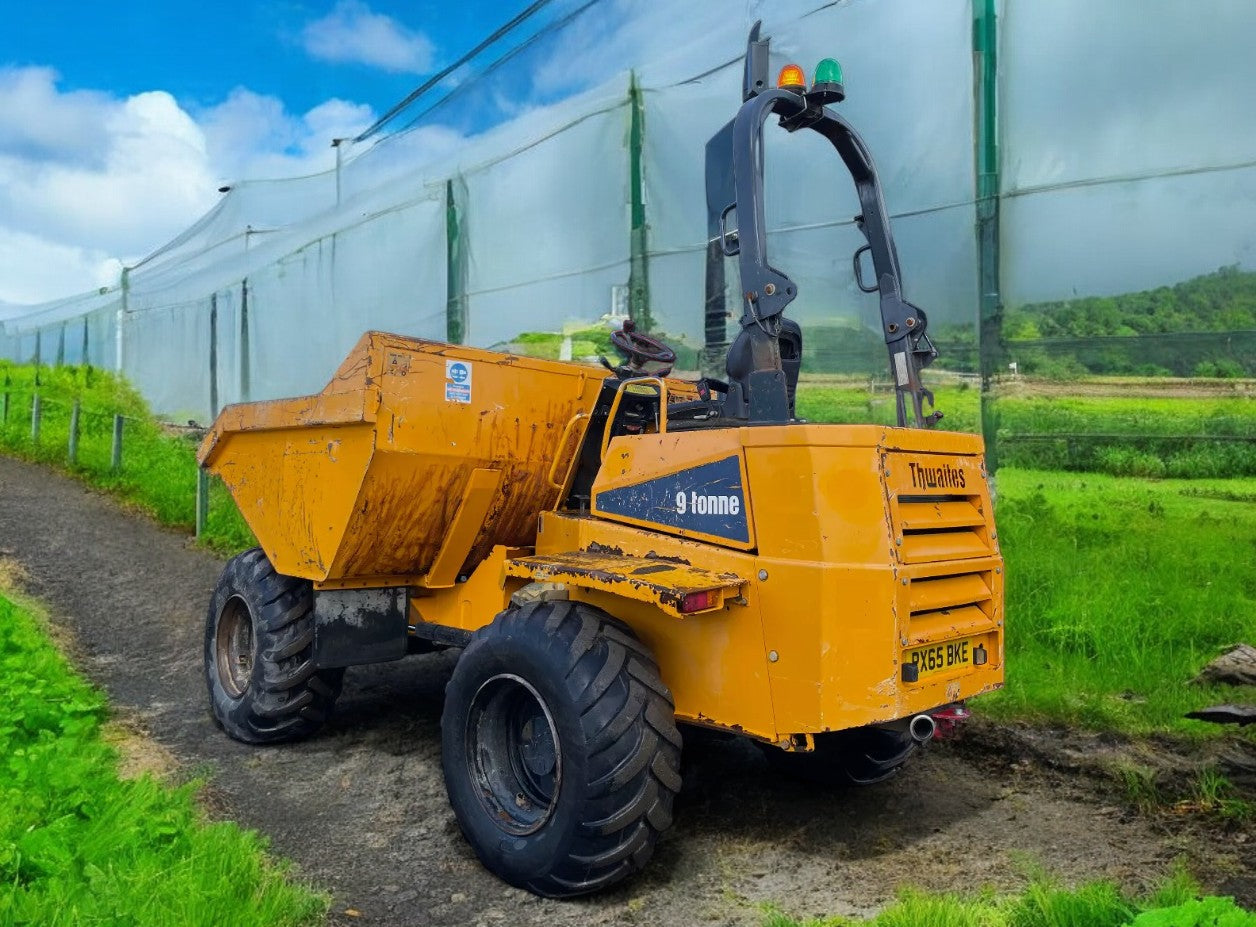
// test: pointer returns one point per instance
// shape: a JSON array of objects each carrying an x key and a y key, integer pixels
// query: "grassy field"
[
  {"x": 79, "y": 845},
  {"x": 1119, "y": 590},
  {"x": 832, "y": 399},
  {"x": 1148, "y": 436},
  {"x": 1100, "y": 904}
]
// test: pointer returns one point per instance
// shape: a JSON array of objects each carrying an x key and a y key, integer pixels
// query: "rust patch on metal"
[
  {"x": 663, "y": 584},
  {"x": 651, "y": 555},
  {"x": 596, "y": 548}
]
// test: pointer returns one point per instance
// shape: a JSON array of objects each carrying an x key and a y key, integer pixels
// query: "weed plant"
[
  {"x": 79, "y": 845},
  {"x": 1098, "y": 904}
]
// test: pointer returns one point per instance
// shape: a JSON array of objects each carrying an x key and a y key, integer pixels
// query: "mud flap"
[{"x": 357, "y": 626}]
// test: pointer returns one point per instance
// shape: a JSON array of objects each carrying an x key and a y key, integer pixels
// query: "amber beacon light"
[{"x": 792, "y": 78}]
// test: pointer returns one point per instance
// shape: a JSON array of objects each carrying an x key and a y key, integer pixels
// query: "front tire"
[
  {"x": 259, "y": 655},
  {"x": 560, "y": 749}
]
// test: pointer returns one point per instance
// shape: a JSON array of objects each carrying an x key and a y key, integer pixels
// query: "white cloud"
[
  {"x": 41, "y": 122},
  {"x": 353, "y": 33},
  {"x": 253, "y": 136},
  {"x": 35, "y": 269},
  {"x": 89, "y": 180}
]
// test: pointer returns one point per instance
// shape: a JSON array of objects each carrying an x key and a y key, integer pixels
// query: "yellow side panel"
[{"x": 299, "y": 501}]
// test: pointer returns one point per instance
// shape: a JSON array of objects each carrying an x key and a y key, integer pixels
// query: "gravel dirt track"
[{"x": 361, "y": 807}]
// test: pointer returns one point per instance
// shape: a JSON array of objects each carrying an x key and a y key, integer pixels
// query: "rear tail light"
[{"x": 699, "y": 601}]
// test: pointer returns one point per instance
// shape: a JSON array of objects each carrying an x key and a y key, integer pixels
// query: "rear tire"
[
  {"x": 560, "y": 749},
  {"x": 259, "y": 655}
]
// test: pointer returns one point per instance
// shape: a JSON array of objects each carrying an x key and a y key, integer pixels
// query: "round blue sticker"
[{"x": 458, "y": 373}]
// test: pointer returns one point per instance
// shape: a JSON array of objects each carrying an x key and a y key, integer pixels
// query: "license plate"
[{"x": 938, "y": 658}]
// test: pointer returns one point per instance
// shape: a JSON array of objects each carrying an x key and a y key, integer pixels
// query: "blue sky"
[
  {"x": 199, "y": 52},
  {"x": 105, "y": 106}
]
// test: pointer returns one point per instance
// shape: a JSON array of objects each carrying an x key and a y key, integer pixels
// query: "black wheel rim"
[
  {"x": 513, "y": 754},
  {"x": 233, "y": 647}
]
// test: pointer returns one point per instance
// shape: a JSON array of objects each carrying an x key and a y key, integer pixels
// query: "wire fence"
[{"x": 70, "y": 424}]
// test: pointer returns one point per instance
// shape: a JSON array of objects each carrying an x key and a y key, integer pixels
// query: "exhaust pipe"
[{"x": 922, "y": 728}]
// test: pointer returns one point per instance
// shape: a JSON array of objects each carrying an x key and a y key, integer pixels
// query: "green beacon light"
[{"x": 827, "y": 86}]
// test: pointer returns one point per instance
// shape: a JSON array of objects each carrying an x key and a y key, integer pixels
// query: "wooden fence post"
[
  {"x": 74, "y": 432},
  {"x": 115, "y": 453},
  {"x": 202, "y": 500}
]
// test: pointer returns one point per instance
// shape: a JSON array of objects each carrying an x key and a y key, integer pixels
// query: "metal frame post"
[
  {"x": 123, "y": 309},
  {"x": 213, "y": 355},
  {"x": 638, "y": 242},
  {"x": 245, "y": 383}
]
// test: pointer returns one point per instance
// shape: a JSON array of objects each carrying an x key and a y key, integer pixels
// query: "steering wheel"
[{"x": 638, "y": 348}]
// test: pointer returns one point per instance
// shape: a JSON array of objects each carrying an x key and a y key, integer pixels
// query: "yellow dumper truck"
[{"x": 617, "y": 551}]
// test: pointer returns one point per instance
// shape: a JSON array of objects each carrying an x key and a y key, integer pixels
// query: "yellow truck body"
[{"x": 865, "y": 548}]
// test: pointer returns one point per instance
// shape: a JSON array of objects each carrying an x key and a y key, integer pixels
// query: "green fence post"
[
  {"x": 74, "y": 432},
  {"x": 456, "y": 268},
  {"x": 36, "y": 417},
  {"x": 5, "y": 419},
  {"x": 115, "y": 452},
  {"x": 986, "y": 117}
]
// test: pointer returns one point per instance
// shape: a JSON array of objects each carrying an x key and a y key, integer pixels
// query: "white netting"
[
  {"x": 1129, "y": 141},
  {"x": 264, "y": 295}
]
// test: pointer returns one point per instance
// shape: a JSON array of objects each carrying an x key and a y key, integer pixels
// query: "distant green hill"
[
  {"x": 1205, "y": 326},
  {"x": 1218, "y": 302}
]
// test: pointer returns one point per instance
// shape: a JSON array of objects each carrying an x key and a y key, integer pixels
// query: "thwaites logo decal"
[
  {"x": 708, "y": 499},
  {"x": 943, "y": 477}
]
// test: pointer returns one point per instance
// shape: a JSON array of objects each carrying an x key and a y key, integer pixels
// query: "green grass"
[
  {"x": 1098, "y": 904},
  {"x": 1123, "y": 436},
  {"x": 1152, "y": 415},
  {"x": 822, "y": 399},
  {"x": 158, "y": 471},
  {"x": 80, "y": 846},
  {"x": 1118, "y": 592}
]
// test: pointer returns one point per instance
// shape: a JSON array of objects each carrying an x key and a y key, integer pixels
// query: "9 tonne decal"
[{"x": 707, "y": 499}]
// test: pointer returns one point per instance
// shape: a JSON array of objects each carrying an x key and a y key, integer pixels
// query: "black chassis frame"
[{"x": 758, "y": 391}]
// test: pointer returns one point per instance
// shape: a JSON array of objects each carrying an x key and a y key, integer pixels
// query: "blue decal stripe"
[{"x": 707, "y": 499}]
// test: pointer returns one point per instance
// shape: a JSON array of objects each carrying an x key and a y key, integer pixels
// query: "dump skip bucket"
[{"x": 414, "y": 461}]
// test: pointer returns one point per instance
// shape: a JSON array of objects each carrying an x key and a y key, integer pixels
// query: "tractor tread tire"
[
  {"x": 286, "y": 698},
  {"x": 607, "y": 684}
]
